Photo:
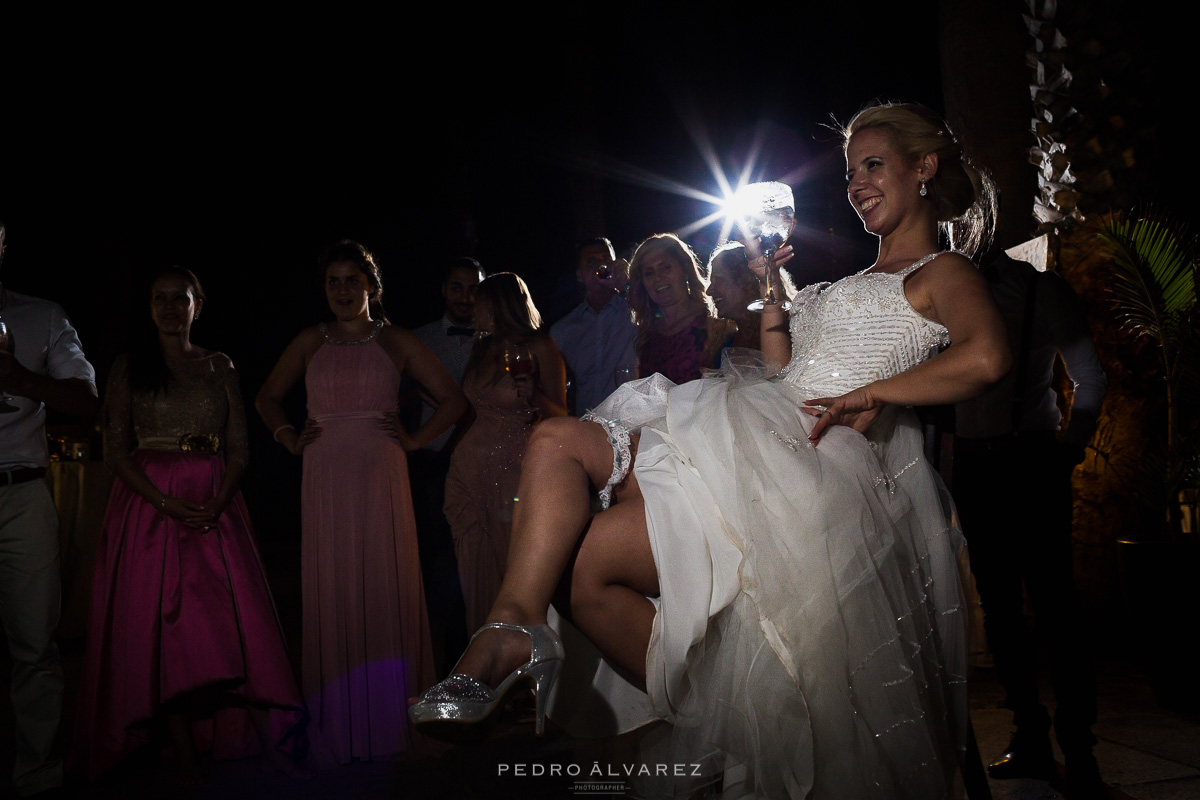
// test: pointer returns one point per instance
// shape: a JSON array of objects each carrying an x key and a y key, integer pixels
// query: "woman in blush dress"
[
  {"x": 678, "y": 333},
  {"x": 807, "y": 633},
  {"x": 366, "y": 636},
  {"x": 515, "y": 377},
  {"x": 183, "y": 628}
]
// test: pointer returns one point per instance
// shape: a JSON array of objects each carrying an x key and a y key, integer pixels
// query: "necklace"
[{"x": 375, "y": 329}]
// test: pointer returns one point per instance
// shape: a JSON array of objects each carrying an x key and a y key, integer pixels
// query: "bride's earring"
[{"x": 924, "y": 191}]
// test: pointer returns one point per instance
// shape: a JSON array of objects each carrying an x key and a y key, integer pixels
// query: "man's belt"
[{"x": 11, "y": 477}]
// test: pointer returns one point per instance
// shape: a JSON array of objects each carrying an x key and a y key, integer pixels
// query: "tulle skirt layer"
[
  {"x": 811, "y": 631},
  {"x": 178, "y": 614}
]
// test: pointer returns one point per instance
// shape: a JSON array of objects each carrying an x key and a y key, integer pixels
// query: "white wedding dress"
[{"x": 810, "y": 639}]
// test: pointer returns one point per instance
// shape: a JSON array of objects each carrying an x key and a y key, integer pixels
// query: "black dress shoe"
[
  {"x": 1083, "y": 778},
  {"x": 1025, "y": 762}
]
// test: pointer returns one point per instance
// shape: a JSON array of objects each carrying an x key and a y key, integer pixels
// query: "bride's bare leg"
[
  {"x": 614, "y": 573},
  {"x": 564, "y": 456}
]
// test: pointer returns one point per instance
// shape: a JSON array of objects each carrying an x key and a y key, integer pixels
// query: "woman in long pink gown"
[
  {"x": 366, "y": 645},
  {"x": 183, "y": 628},
  {"x": 507, "y": 398}
]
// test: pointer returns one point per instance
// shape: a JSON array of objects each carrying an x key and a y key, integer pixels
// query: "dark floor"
[{"x": 1145, "y": 751}]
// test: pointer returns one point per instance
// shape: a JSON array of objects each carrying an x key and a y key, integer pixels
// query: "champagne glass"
[
  {"x": 519, "y": 361},
  {"x": 6, "y": 406},
  {"x": 770, "y": 215}
]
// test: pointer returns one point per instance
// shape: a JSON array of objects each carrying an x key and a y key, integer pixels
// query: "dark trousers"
[
  {"x": 30, "y": 598},
  {"x": 1014, "y": 499},
  {"x": 439, "y": 569}
]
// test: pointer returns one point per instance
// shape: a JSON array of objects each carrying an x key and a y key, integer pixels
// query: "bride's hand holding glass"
[
  {"x": 761, "y": 265},
  {"x": 766, "y": 213}
]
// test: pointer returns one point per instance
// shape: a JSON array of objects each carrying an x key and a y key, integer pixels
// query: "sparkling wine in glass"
[
  {"x": 770, "y": 214},
  {"x": 6, "y": 405},
  {"x": 519, "y": 361}
]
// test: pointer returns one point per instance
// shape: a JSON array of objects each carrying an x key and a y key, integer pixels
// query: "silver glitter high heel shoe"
[{"x": 453, "y": 709}]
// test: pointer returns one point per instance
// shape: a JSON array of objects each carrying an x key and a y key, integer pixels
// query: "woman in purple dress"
[
  {"x": 678, "y": 332},
  {"x": 183, "y": 628}
]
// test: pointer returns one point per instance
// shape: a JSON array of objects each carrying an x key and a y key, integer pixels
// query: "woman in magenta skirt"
[{"x": 184, "y": 634}]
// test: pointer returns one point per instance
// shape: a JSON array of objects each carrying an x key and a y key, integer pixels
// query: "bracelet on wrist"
[{"x": 275, "y": 434}]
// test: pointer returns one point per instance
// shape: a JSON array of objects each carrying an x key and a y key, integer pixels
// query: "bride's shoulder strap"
[{"x": 916, "y": 265}]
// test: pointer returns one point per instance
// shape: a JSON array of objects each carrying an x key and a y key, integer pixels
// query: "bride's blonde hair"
[{"x": 963, "y": 196}]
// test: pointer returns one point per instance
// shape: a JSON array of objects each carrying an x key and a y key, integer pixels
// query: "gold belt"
[{"x": 207, "y": 443}]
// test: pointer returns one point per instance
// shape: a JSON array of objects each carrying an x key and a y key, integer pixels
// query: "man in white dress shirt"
[
  {"x": 42, "y": 364},
  {"x": 451, "y": 337},
  {"x": 596, "y": 338}
]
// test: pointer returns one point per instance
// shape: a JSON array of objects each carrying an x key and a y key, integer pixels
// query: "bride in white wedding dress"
[{"x": 807, "y": 633}]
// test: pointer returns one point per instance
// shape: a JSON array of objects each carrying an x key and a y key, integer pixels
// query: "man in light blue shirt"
[{"x": 596, "y": 338}]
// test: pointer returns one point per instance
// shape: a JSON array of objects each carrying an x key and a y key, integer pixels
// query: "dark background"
[{"x": 239, "y": 145}]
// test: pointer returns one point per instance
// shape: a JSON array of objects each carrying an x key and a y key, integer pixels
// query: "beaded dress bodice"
[
  {"x": 857, "y": 330},
  {"x": 202, "y": 398},
  {"x": 351, "y": 379}
]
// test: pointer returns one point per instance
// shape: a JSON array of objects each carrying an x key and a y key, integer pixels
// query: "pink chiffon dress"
[
  {"x": 366, "y": 646},
  {"x": 481, "y": 489},
  {"x": 178, "y": 612}
]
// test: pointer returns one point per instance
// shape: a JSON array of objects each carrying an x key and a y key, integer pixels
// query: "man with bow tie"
[{"x": 450, "y": 338}]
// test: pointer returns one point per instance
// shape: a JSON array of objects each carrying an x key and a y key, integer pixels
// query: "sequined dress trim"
[
  {"x": 375, "y": 329},
  {"x": 858, "y": 330}
]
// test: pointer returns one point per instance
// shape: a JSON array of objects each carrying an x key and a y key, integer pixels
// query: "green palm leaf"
[
  {"x": 1153, "y": 276},
  {"x": 1152, "y": 286}
]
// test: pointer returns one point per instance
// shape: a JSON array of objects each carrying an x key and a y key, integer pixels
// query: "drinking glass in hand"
[
  {"x": 6, "y": 406},
  {"x": 519, "y": 361},
  {"x": 521, "y": 365},
  {"x": 771, "y": 213}
]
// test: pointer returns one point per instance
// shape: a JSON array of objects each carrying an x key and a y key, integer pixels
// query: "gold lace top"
[{"x": 203, "y": 399}]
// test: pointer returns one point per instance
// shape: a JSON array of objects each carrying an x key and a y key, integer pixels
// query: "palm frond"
[
  {"x": 1152, "y": 287},
  {"x": 1153, "y": 277}
]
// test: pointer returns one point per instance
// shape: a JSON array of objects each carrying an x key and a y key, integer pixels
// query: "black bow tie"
[{"x": 456, "y": 331}]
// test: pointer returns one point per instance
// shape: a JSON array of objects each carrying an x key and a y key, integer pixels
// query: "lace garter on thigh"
[
  {"x": 618, "y": 437},
  {"x": 631, "y": 406}
]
